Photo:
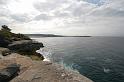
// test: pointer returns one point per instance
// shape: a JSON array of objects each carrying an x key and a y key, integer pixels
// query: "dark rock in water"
[
  {"x": 9, "y": 73},
  {"x": 25, "y": 47}
]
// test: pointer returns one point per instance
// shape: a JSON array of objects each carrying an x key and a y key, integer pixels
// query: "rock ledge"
[{"x": 40, "y": 71}]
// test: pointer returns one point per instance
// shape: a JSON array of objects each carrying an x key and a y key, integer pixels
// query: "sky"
[{"x": 64, "y": 17}]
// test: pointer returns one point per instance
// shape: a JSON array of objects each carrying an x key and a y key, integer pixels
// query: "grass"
[{"x": 34, "y": 57}]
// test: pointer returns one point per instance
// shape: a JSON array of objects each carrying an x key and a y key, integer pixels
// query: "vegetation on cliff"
[
  {"x": 19, "y": 43},
  {"x": 7, "y": 36}
]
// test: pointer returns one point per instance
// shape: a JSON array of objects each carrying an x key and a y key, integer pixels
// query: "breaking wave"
[
  {"x": 68, "y": 67},
  {"x": 47, "y": 54}
]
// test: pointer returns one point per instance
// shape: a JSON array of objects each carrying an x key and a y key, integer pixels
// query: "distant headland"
[{"x": 51, "y": 35}]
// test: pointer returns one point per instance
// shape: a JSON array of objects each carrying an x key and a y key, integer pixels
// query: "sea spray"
[
  {"x": 106, "y": 70},
  {"x": 46, "y": 53},
  {"x": 68, "y": 67}
]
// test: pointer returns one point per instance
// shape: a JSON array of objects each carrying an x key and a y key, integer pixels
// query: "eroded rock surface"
[
  {"x": 4, "y": 52},
  {"x": 26, "y": 47},
  {"x": 40, "y": 71}
]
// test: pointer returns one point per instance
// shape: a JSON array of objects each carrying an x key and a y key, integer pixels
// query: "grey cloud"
[
  {"x": 109, "y": 12},
  {"x": 3, "y": 2},
  {"x": 4, "y": 16},
  {"x": 72, "y": 14},
  {"x": 62, "y": 14},
  {"x": 43, "y": 17},
  {"x": 74, "y": 8},
  {"x": 4, "y": 12},
  {"x": 49, "y": 5},
  {"x": 4, "y": 21},
  {"x": 42, "y": 6},
  {"x": 78, "y": 8},
  {"x": 20, "y": 17},
  {"x": 46, "y": 6},
  {"x": 114, "y": 8}
]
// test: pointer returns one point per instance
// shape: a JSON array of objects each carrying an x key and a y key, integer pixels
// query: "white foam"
[
  {"x": 106, "y": 70},
  {"x": 68, "y": 67},
  {"x": 46, "y": 53},
  {"x": 48, "y": 57},
  {"x": 46, "y": 60}
]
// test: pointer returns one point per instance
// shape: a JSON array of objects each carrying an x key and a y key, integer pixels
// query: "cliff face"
[
  {"x": 26, "y": 47},
  {"x": 19, "y": 43},
  {"x": 40, "y": 71}
]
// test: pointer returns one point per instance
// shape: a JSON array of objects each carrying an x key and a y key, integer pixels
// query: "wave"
[
  {"x": 47, "y": 54},
  {"x": 68, "y": 67},
  {"x": 106, "y": 70}
]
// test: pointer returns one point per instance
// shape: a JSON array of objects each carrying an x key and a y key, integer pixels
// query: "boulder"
[
  {"x": 37, "y": 56},
  {"x": 4, "y": 51},
  {"x": 9, "y": 72},
  {"x": 24, "y": 61}
]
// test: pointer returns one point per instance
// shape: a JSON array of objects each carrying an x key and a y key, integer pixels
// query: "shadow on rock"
[{"x": 9, "y": 72}]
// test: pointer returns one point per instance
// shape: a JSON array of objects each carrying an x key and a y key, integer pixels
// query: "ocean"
[{"x": 101, "y": 59}]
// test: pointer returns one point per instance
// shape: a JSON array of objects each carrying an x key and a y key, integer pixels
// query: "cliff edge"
[
  {"x": 18, "y": 61},
  {"x": 40, "y": 71}
]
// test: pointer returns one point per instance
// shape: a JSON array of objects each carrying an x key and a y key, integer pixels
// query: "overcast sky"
[{"x": 65, "y": 17}]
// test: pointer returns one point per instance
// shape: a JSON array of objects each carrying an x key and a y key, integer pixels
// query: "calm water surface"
[{"x": 98, "y": 58}]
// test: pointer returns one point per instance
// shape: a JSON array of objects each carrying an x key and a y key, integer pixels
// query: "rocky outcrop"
[
  {"x": 26, "y": 47},
  {"x": 40, "y": 71},
  {"x": 4, "y": 42},
  {"x": 4, "y": 51},
  {"x": 9, "y": 72},
  {"x": 12, "y": 65},
  {"x": 19, "y": 43}
]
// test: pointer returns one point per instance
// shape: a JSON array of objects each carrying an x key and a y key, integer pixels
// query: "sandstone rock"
[
  {"x": 23, "y": 61},
  {"x": 40, "y": 56},
  {"x": 39, "y": 71},
  {"x": 4, "y": 51}
]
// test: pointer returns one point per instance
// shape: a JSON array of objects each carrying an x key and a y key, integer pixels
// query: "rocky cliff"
[
  {"x": 16, "y": 64},
  {"x": 19, "y": 43},
  {"x": 39, "y": 71}
]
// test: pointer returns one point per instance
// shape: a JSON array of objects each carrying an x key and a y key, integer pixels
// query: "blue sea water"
[{"x": 99, "y": 58}]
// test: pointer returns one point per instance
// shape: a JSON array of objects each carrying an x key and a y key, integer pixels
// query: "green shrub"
[{"x": 7, "y": 34}]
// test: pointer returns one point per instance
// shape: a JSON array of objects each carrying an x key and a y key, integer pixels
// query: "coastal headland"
[{"x": 19, "y": 61}]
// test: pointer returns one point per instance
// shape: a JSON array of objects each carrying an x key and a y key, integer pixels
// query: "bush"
[
  {"x": 5, "y": 32},
  {"x": 5, "y": 28}
]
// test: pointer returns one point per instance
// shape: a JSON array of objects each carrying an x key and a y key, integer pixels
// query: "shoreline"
[
  {"x": 19, "y": 61},
  {"x": 53, "y": 71},
  {"x": 33, "y": 71},
  {"x": 60, "y": 67}
]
